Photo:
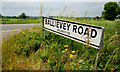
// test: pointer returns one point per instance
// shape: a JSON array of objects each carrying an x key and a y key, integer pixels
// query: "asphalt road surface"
[{"x": 10, "y": 29}]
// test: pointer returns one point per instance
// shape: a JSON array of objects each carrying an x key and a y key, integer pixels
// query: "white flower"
[
  {"x": 83, "y": 62},
  {"x": 74, "y": 64},
  {"x": 91, "y": 66},
  {"x": 80, "y": 61},
  {"x": 80, "y": 67}
]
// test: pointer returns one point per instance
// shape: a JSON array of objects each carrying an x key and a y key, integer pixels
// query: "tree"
[
  {"x": 118, "y": 10},
  {"x": 97, "y": 17},
  {"x": 110, "y": 11},
  {"x": 23, "y": 16},
  {"x": 0, "y": 16}
]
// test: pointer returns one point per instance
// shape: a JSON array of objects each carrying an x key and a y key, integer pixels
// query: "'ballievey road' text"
[{"x": 76, "y": 29}]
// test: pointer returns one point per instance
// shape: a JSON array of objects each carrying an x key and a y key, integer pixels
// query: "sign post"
[
  {"x": 99, "y": 49},
  {"x": 83, "y": 33},
  {"x": 43, "y": 31}
]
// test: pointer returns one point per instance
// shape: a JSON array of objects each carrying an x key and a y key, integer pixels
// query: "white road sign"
[{"x": 80, "y": 32}]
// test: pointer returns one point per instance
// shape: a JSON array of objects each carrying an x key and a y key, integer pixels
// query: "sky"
[
  {"x": 58, "y": 0},
  {"x": 53, "y": 7}
]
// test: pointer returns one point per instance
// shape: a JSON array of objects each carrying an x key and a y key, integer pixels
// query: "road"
[{"x": 9, "y": 29}]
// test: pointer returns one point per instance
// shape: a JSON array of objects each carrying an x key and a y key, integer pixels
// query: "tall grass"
[
  {"x": 41, "y": 9},
  {"x": 28, "y": 51},
  {"x": 62, "y": 12}
]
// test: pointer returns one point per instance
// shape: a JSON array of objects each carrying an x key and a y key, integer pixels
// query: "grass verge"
[
  {"x": 28, "y": 51},
  {"x": 21, "y": 21}
]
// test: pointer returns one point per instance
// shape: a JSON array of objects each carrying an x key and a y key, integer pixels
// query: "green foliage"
[
  {"x": 23, "y": 16},
  {"x": 28, "y": 51},
  {"x": 0, "y": 16},
  {"x": 21, "y": 21},
  {"x": 97, "y": 17},
  {"x": 118, "y": 10},
  {"x": 110, "y": 12}
]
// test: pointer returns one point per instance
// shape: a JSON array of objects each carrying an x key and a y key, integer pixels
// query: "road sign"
[{"x": 83, "y": 33}]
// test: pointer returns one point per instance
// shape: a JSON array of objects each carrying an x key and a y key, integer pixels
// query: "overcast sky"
[
  {"x": 58, "y": 0},
  {"x": 53, "y": 7}
]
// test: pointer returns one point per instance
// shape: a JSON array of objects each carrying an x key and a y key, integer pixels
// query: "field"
[
  {"x": 20, "y": 21},
  {"x": 29, "y": 51}
]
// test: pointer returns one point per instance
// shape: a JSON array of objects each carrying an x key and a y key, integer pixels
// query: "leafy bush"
[{"x": 110, "y": 11}]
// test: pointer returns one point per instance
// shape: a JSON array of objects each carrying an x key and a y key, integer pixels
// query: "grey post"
[
  {"x": 43, "y": 31},
  {"x": 101, "y": 44}
]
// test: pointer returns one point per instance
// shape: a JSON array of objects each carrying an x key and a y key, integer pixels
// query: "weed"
[{"x": 28, "y": 51}]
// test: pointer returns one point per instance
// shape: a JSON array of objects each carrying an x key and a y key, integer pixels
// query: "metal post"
[
  {"x": 101, "y": 44},
  {"x": 43, "y": 31},
  {"x": 97, "y": 59}
]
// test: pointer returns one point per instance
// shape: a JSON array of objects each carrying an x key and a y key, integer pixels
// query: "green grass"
[
  {"x": 28, "y": 51},
  {"x": 21, "y": 21}
]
